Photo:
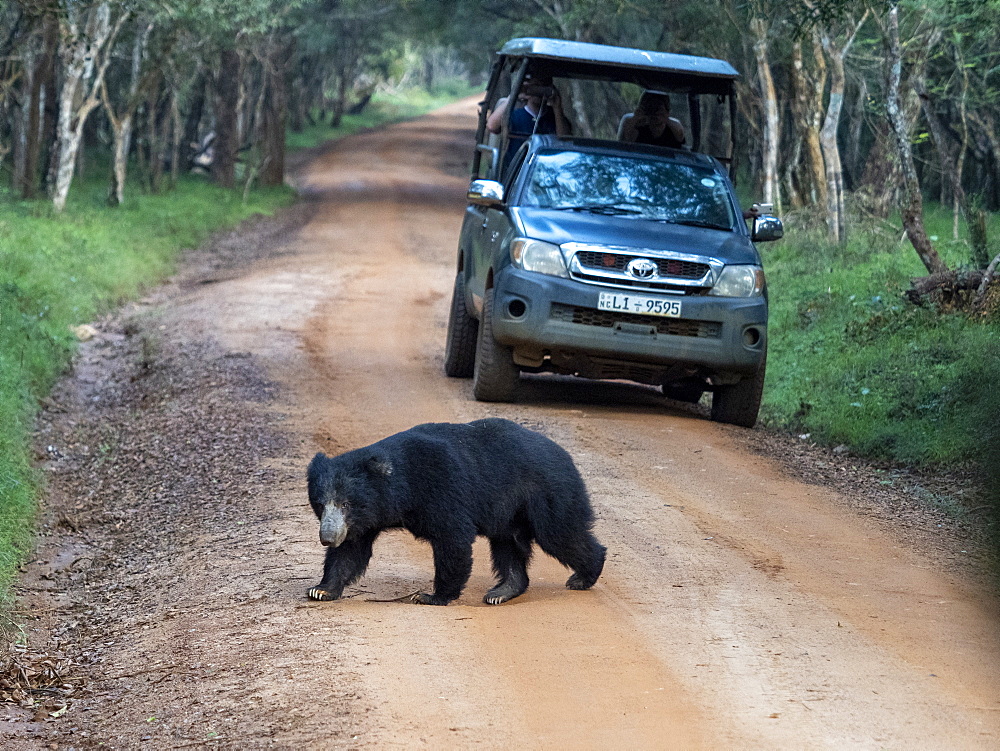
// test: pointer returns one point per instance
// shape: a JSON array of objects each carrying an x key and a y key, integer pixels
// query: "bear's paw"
[
  {"x": 422, "y": 598},
  {"x": 320, "y": 594}
]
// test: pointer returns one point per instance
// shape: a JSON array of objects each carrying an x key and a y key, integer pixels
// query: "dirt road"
[{"x": 739, "y": 608}]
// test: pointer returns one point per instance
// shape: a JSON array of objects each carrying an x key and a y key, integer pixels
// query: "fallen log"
[{"x": 945, "y": 288}]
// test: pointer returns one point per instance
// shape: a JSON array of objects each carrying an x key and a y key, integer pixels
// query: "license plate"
[{"x": 648, "y": 306}]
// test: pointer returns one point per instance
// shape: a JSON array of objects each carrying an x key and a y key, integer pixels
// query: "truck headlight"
[
  {"x": 739, "y": 281},
  {"x": 538, "y": 256}
]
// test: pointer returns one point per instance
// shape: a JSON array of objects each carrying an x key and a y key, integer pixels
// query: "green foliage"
[
  {"x": 852, "y": 362},
  {"x": 60, "y": 271}
]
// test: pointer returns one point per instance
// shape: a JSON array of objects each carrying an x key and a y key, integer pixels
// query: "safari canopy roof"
[{"x": 651, "y": 70}]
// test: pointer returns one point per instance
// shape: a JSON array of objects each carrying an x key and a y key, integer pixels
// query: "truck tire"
[
  {"x": 495, "y": 376},
  {"x": 460, "y": 348},
  {"x": 739, "y": 403}
]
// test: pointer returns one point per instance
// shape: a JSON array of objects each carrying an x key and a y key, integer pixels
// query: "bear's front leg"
[
  {"x": 344, "y": 565},
  {"x": 452, "y": 568}
]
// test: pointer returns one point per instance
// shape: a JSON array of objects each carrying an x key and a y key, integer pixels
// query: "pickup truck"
[{"x": 597, "y": 258}]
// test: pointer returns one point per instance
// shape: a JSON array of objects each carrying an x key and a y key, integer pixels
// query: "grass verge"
[{"x": 851, "y": 362}]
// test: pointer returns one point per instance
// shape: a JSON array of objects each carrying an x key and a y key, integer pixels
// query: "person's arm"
[
  {"x": 627, "y": 128},
  {"x": 563, "y": 125},
  {"x": 676, "y": 128},
  {"x": 494, "y": 123}
]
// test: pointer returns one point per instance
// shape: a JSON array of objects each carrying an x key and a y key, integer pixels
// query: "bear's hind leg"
[
  {"x": 452, "y": 568},
  {"x": 586, "y": 575},
  {"x": 588, "y": 567},
  {"x": 577, "y": 549},
  {"x": 510, "y": 564}
]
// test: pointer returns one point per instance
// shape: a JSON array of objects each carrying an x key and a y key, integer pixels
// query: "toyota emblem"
[{"x": 642, "y": 268}]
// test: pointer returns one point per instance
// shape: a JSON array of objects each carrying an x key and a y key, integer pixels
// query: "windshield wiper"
[
  {"x": 697, "y": 223},
  {"x": 601, "y": 208}
]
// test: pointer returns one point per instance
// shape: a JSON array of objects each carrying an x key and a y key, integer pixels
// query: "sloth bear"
[{"x": 447, "y": 483}]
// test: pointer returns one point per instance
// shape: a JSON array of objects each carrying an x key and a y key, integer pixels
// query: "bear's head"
[{"x": 344, "y": 493}]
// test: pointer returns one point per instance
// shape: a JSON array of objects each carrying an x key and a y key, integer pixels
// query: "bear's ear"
[{"x": 378, "y": 465}]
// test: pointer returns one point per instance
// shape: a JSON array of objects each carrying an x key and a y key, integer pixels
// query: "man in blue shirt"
[{"x": 540, "y": 111}]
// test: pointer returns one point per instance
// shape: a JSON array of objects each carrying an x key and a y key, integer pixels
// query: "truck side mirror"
[
  {"x": 767, "y": 228},
  {"x": 487, "y": 193}
]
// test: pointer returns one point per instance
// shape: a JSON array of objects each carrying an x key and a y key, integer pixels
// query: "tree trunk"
[
  {"x": 581, "y": 117},
  {"x": 121, "y": 130},
  {"x": 978, "y": 238},
  {"x": 275, "y": 115},
  {"x": 121, "y": 126},
  {"x": 85, "y": 54},
  {"x": 940, "y": 137},
  {"x": 807, "y": 112},
  {"x": 244, "y": 117},
  {"x": 78, "y": 50},
  {"x": 41, "y": 87},
  {"x": 156, "y": 137},
  {"x": 828, "y": 138},
  {"x": 959, "y": 198},
  {"x": 21, "y": 125},
  {"x": 758, "y": 28},
  {"x": 912, "y": 208},
  {"x": 299, "y": 97},
  {"x": 340, "y": 103},
  {"x": 988, "y": 129},
  {"x": 814, "y": 116},
  {"x": 835, "y": 54},
  {"x": 854, "y": 166},
  {"x": 227, "y": 92},
  {"x": 192, "y": 123},
  {"x": 176, "y": 133}
]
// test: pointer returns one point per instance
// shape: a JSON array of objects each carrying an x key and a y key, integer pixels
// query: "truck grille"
[
  {"x": 608, "y": 319},
  {"x": 667, "y": 267}
]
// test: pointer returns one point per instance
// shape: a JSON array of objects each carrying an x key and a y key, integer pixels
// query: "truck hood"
[{"x": 560, "y": 227}]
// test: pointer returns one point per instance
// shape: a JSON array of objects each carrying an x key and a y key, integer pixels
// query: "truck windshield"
[{"x": 630, "y": 185}]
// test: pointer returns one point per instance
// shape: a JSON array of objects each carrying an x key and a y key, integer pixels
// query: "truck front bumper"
[{"x": 555, "y": 320}]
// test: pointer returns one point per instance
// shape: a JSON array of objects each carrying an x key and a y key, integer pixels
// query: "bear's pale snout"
[{"x": 332, "y": 527}]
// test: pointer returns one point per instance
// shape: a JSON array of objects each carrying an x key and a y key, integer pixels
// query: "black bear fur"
[{"x": 448, "y": 483}]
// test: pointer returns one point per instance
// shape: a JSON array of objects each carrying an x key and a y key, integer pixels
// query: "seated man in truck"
[
  {"x": 651, "y": 122},
  {"x": 540, "y": 111}
]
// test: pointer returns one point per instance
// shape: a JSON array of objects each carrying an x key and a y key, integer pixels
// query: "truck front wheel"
[
  {"x": 460, "y": 349},
  {"x": 495, "y": 376},
  {"x": 739, "y": 403}
]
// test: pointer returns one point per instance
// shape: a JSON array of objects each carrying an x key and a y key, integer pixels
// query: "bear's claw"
[
  {"x": 319, "y": 594},
  {"x": 504, "y": 593},
  {"x": 422, "y": 598}
]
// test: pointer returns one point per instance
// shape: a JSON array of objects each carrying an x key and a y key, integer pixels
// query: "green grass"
[
  {"x": 852, "y": 362},
  {"x": 57, "y": 271}
]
